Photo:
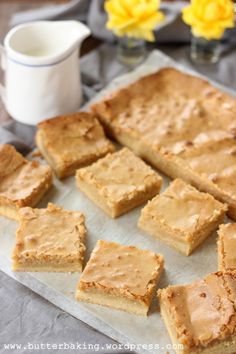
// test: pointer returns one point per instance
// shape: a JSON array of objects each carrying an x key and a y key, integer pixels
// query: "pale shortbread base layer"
[
  {"x": 220, "y": 250},
  {"x": 108, "y": 300},
  {"x": 64, "y": 171},
  {"x": 100, "y": 297},
  {"x": 11, "y": 212},
  {"x": 221, "y": 264},
  {"x": 226, "y": 249},
  {"x": 123, "y": 207},
  {"x": 158, "y": 231},
  {"x": 220, "y": 347},
  {"x": 48, "y": 158},
  {"x": 20, "y": 267},
  {"x": 172, "y": 166}
]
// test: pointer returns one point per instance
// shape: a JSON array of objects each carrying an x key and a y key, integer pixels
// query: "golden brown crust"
[
  {"x": 10, "y": 159},
  {"x": 48, "y": 238},
  {"x": 201, "y": 313},
  {"x": 124, "y": 271},
  {"x": 182, "y": 216},
  {"x": 183, "y": 208},
  {"x": 72, "y": 141},
  {"x": 24, "y": 182},
  {"x": 168, "y": 119},
  {"x": 121, "y": 180}
]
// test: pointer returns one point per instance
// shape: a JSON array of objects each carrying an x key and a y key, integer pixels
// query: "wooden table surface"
[{"x": 7, "y": 9}]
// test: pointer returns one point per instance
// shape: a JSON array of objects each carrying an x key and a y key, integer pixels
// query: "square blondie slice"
[
  {"x": 201, "y": 317},
  {"x": 49, "y": 240},
  {"x": 22, "y": 182},
  {"x": 119, "y": 182},
  {"x": 182, "y": 216},
  {"x": 121, "y": 277},
  {"x": 227, "y": 247},
  {"x": 72, "y": 141}
]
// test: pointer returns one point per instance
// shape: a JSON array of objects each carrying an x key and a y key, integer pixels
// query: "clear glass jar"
[
  {"x": 204, "y": 51},
  {"x": 131, "y": 51}
]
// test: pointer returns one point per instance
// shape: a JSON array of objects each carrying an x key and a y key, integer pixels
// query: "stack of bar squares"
[
  {"x": 167, "y": 119},
  {"x": 182, "y": 216},
  {"x": 49, "y": 240},
  {"x": 122, "y": 277},
  {"x": 118, "y": 182},
  {"x": 227, "y": 248},
  {"x": 22, "y": 182},
  {"x": 72, "y": 141}
]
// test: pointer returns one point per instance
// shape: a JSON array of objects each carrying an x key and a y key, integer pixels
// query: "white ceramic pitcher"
[{"x": 42, "y": 76}]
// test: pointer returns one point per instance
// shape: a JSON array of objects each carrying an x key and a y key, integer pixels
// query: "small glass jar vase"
[
  {"x": 204, "y": 51},
  {"x": 131, "y": 51}
]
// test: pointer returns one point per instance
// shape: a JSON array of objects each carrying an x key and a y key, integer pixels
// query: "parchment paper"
[{"x": 59, "y": 288}]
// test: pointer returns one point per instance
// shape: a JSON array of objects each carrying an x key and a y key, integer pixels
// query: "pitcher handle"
[{"x": 3, "y": 67}]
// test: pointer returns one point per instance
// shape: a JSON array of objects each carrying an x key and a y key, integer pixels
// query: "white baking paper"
[{"x": 59, "y": 288}]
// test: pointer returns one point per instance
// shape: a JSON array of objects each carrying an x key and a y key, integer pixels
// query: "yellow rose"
[
  {"x": 209, "y": 18},
  {"x": 133, "y": 18}
]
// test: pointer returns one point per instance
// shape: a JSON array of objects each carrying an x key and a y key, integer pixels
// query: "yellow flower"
[
  {"x": 209, "y": 18},
  {"x": 133, "y": 18}
]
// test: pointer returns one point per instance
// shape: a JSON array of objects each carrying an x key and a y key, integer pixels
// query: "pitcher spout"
[{"x": 76, "y": 32}]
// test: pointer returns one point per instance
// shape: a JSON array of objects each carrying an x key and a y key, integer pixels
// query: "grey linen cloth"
[
  {"x": 28, "y": 320},
  {"x": 25, "y": 316}
]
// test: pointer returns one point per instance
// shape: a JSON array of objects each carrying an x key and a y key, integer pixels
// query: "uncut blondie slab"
[
  {"x": 72, "y": 141},
  {"x": 121, "y": 277},
  {"x": 182, "y": 125},
  {"x": 182, "y": 216},
  {"x": 49, "y": 240},
  {"x": 22, "y": 182},
  {"x": 201, "y": 317},
  {"x": 227, "y": 247},
  {"x": 118, "y": 182}
]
